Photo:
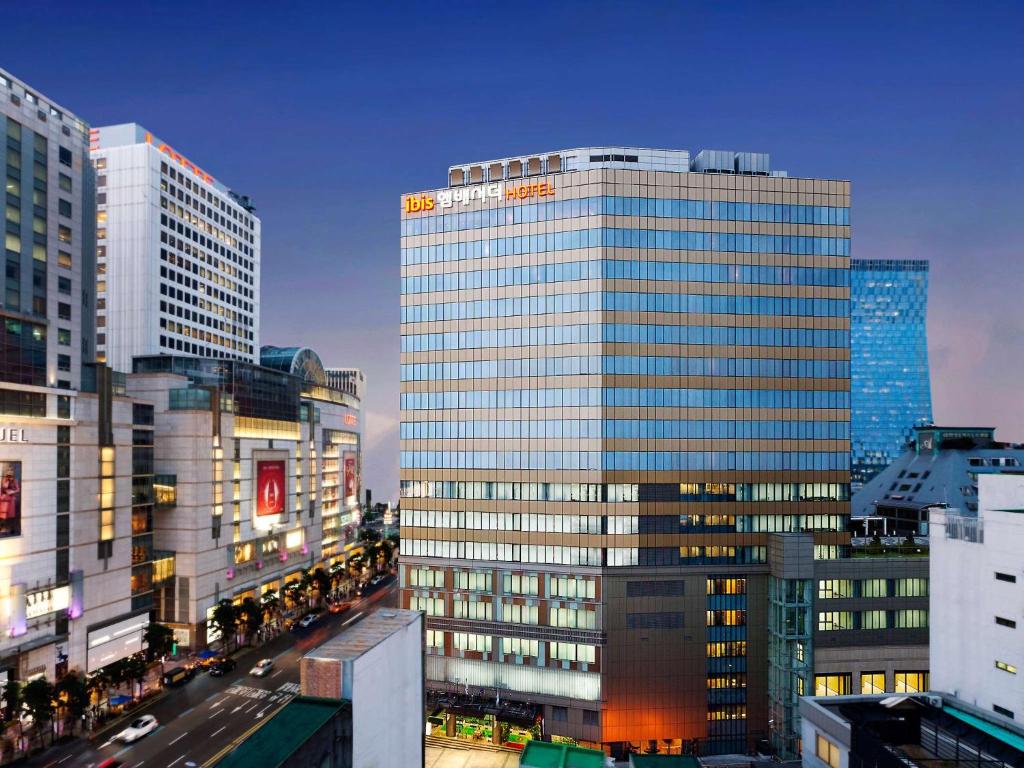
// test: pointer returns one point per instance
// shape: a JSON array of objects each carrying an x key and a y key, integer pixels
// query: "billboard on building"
[
  {"x": 270, "y": 488},
  {"x": 10, "y": 498},
  {"x": 351, "y": 476}
]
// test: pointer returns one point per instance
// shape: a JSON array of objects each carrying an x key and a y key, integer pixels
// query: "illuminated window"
[
  {"x": 833, "y": 588},
  {"x": 912, "y": 618},
  {"x": 874, "y": 588},
  {"x": 1006, "y": 667},
  {"x": 827, "y": 752},
  {"x": 874, "y": 620},
  {"x": 832, "y": 685},
  {"x": 829, "y": 621},
  {"x": 911, "y": 682},
  {"x": 911, "y": 587},
  {"x": 467, "y": 641},
  {"x": 872, "y": 682}
]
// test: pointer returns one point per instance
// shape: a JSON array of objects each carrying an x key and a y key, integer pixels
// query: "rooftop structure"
[
  {"x": 543, "y": 754},
  {"x": 940, "y": 469},
  {"x": 885, "y": 731},
  {"x": 288, "y": 737}
]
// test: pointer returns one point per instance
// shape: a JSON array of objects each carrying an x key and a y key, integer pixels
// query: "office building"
[
  {"x": 838, "y": 627},
  {"x": 977, "y": 610},
  {"x": 940, "y": 469},
  {"x": 890, "y": 389},
  {"x": 622, "y": 370},
  {"x": 248, "y": 478},
  {"x": 66, "y": 427},
  {"x": 886, "y": 731},
  {"x": 178, "y": 255}
]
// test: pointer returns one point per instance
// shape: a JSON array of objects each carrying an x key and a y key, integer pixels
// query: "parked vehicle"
[
  {"x": 262, "y": 668},
  {"x": 178, "y": 675},
  {"x": 222, "y": 667},
  {"x": 139, "y": 727}
]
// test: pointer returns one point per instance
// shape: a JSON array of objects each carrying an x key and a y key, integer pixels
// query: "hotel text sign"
[
  {"x": 496, "y": 190},
  {"x": 13, "y": 435}
]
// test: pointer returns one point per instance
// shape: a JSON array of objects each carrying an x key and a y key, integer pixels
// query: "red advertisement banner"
[
  {"x": 351, "y": 487},
  {"x": 270, "y": 488}
]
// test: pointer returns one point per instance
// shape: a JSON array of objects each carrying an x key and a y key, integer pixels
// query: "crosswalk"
[{"x": 284, "y": 693}]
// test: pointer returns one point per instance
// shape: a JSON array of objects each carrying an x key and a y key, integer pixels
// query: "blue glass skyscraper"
[{"x": 890, "y": 387}]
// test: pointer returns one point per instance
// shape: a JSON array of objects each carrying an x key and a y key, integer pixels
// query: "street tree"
[
  {"x": 321, "y": 582},
  {"x": 38, "y": 696},
  {"x": 73, "y": 695},
  {"x": 250, "y": 616},
  {"x": 135, "y": 672},
  {"x": 225, "y": 621},
  {"x": 159, "y": 641}
]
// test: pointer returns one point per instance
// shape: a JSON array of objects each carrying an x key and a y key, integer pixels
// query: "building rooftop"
[
  {"x": 365, "y": 635},
  {"x": 283, "y": 733},
  {"x": 923, "y": 729},
  {"x": 663, "y": 761},
  {"x": 627, "y": 158},
  {"x": 544, "y": 754},
  {"x": 939, "y": 469}
]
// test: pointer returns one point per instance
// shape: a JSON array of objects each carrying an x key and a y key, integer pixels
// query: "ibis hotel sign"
[{"x": 496, "y": 190}]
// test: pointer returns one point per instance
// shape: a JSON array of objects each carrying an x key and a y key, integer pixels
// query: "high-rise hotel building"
[
  {"x": 72, "y": 445},
  {"x": 178, "y": 254},
  {"x": 622, "y": 371}
]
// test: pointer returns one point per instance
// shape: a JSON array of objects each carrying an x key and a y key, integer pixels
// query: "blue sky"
[{"x": 326, "y": 112}]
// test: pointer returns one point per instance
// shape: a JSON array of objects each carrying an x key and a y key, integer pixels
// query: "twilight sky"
[{"x": 326, "y": 112}]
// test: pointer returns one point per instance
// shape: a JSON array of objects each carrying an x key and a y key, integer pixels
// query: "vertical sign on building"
[
  {"x": 351, "y": 478},
  {"x": 270, "y": 488}
]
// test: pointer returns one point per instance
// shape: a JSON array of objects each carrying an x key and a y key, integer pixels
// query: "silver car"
[{"x": 262, "y": 668}]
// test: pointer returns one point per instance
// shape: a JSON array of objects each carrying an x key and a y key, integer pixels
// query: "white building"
[
  {"x": 977, "y": 599},
  {"x": 248, "y": 477},
  {"x": 66, "y": 428},
  {"x": 178, "y": 254},
  {"x": 377, "y": 664}
]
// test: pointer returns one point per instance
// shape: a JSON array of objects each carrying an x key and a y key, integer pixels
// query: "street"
[{"x": 201, "y": 720}]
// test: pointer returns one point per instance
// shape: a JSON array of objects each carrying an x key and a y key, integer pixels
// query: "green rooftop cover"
[
  {"x": 663, "y": 761},
  {"x": 1005, "y": 735},
  {"x": 544, "y": 754},
  {"x": 282, "y": 734}
]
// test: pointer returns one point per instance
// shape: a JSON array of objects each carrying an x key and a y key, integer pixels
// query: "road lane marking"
[
  {"x": 238, "y": 708},
  {"x": 216, "y": 732},
  {"x": 277, "y": 673},
  {"x": 346, "y": 623},
  {"x": 139, "y": 764},
  {"x": 250, "y": 709},
  {"x": 179, "y": 739},
  {"x": 218, "y": 703},
  {"x": 65, "y": 758},
  {"x": 217, "y": 713},
  {"x": 176, "y": 761}
]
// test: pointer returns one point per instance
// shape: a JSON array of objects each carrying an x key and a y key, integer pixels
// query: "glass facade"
[
  {"x": 890, "y": 388},
  {"x": 608, "y": 386}
]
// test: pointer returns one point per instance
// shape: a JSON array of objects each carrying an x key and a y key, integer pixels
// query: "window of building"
[
  {"x": 1006, "y": 622},
  {"x": 874, "y": 620},
  {"x": 64, "y": 259},
  {"x": 1002, "y": 711},
  {"x": 64, "y": 234},
  {"x": 591, "y": 717},
  {"x": 63, "y": 311},
  {"x": 65, "y": 182},
  {"x": 832, "y": 588},
  {"x": 832, "y": 685},
  {"x": 911, "y": 587},
  {"x": 560, "y": 714},
  {"x": 829, "y": 621},
  {"x": 64, "y": 285},
  {"x": 1006, "y": 667},
  {"x": 913, "y": 618},
  {"x": 874, "y": 588},
  {"x": 64, "y": 337},
  {"x": 1006, "y": 577},
  {"x": 64, "y": 156},
  {"x": 827, "y": 752},
  {"x": 911, "y": 682},
  {"x": 872, "y": 682}
]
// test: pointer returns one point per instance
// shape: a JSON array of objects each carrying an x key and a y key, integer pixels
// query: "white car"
[
  {"x": 307, "y": 620},
  {"x": 262, "y": 668},
  {"x": 139, "y": 727}
]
